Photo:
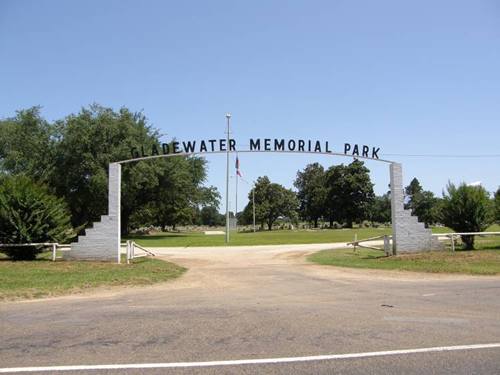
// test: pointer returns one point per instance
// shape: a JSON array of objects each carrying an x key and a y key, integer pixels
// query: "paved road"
[{"x": 265, "y": 302}]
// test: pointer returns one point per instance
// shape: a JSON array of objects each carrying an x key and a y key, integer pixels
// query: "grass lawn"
[
  {"x": 476, "y": 262},
  {"x": 43, "y": 278},
  {"x": 276, "y": 237}
]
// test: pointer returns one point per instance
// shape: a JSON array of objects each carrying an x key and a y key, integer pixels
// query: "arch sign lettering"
[
  {"x": 256, "y": 145},
  {"x": 102, "y": 241}
]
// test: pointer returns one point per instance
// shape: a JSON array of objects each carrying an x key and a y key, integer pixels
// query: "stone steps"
[
  {"x": 99, "y": 242},
  {"x": 409, "y": 235}
]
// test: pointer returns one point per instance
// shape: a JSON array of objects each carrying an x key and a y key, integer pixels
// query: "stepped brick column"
[
  {"x": 397, "y": 201},
  {"x": 408, "y": 234},
  {"x": 102, "y": 240}
]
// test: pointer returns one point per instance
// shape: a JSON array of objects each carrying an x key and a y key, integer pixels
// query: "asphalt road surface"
[{"x": 263, "y": 302}]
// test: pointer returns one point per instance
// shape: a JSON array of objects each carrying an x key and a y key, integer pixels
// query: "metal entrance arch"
[{"x": 102, "y": 241}]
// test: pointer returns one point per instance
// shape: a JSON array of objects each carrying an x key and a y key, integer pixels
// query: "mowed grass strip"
[
  {"x": 44, "y": 278},
  {"x": 275, "y": 237},
  {"x": 475, "y": 262}
]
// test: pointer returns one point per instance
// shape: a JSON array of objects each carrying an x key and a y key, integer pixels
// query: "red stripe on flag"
[{"x": 238, "y": 173}]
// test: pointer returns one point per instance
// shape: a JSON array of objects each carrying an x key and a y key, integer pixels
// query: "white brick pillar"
[
  {"x": 408, "y": 234},
  {"x": 102, "y": 240},
  {"x": 114, "y": 203},
  {"x": 397, "y": 201}
]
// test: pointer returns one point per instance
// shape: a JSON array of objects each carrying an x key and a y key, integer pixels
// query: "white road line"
[{"x": 248, "y": 361}]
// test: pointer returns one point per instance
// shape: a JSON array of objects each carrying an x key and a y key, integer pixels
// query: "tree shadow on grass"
[
  {"x": 491, "y": 247},
  {"x": 20, "y": 261},
  {"x": 479, "y": 248},
  {"x": 45, "y": 256}
]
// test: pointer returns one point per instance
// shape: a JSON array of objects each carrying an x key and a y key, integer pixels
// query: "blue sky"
[{"x": 410, "y": 77}]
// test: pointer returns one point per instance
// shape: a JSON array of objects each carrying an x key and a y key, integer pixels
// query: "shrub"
[
  {"x": 30, "y": 214},
  {"x": 466, "y": 209}
]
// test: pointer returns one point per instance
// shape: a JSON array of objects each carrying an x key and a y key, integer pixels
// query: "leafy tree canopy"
[
  {"x": 497, "y": 205},
  {"x": 312, "y": 192},
  {"x": 210, "y": 216},
  {"x": 72, "y": 156},
  {"x": 413, "y": 188},
  {"x": 422, "y": 203},
  {"x": 27, "y": 145},
  {"x": 272, "y": 201},
  {"x": 350, "y": 192},
  {"x": 466, "y": 209},
  {"x": 380, "y": 210}
]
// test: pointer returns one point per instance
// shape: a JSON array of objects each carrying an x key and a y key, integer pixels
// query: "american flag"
[{"x": 238, "y": 173}]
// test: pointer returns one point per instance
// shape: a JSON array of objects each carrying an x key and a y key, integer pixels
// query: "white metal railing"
[
  {"x": 132, "y": 246},
  {"x": 455, "y": 235},
  {"x": 387, "y": 243},
  {"x": 131, "y": 251},
  {"x": 54, "y": 246}
]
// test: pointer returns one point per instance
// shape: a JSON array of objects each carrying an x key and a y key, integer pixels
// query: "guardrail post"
[
  {"x": 128, "y": 251},
  {"x": 387, "y": 248},
  {"x": 355, "y": 241},
  {"x": 54, "y": 248},
  {"x": 452, "y": 242}
]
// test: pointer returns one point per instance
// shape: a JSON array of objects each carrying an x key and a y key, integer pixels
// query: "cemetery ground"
[
  {"x": 265, "y": 237},
  {"x": 475, "y": 262},
  {"x": 275, "y": 237},
  {"x": 245, "y": 302},
  {"x": 43, "y": 278},
  {"x": 484, "y": 260}
]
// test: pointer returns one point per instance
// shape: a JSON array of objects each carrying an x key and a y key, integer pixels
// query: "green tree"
[
  {"x": 179, "y": 193},
  {"x": 210, "y": 216},
  {"x": 423, "y": 206},
  {"x": 411, "y": 190},
  {"x": 380, "y": 210},
  {"x": 89, "y": 141},
  {"x": 312, "y": 191},
  {"x": 422, "y": 203},
  {"x": 436, "y": 210},
  {"x": 27, "y": 145},
  {"x": 30, "y": 214},
  {"x": 497, "y": 205},
  {"x": 72, "y": 157},
  {"x": 246, "y": 216},
  {"x": 160, "y": 192},
  {"x": 272, "y": 201},
  {"x": 350, "y": 192},
  {"x": 466, "y": 209}
]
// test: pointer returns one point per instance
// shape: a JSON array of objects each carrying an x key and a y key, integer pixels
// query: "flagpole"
[
  {"x": 236, "y": 204},
  {"x": 228, "y": 117},
  {"x": 253, "y": 206}
]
